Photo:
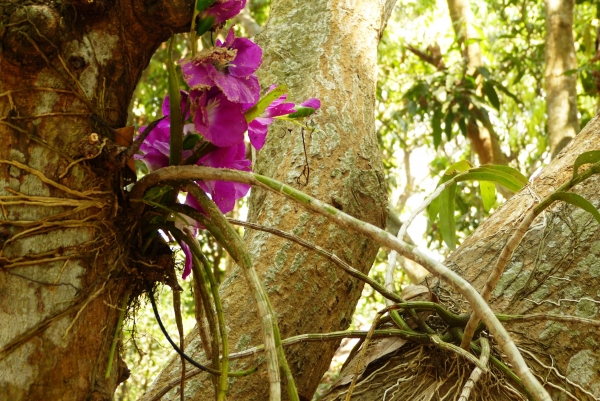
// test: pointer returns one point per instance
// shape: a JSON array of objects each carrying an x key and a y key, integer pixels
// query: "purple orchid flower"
[
  {"x": 312, "y": 103},
  {"x": 223, "y": 10},
  {"x": 224, "y": 193},
  {"x": 187, "y": 269},
  {"x": 257, "y": 129},
  {"x": 230, "y": 66},
  {"x": 217, "y": 119},
  {"x": 157, "y": 144}
]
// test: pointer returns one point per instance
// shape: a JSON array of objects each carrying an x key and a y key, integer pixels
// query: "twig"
[
  {"x": 335, "y": 259},
  {"x": 476, "y": 373},
  {"x": 374, "y": 233}
]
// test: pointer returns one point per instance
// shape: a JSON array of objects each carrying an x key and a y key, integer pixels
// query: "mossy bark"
[{"x": 68, "y": 71}]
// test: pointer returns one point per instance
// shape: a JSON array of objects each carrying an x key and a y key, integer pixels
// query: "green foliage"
[{"x": 488, "y": 175}]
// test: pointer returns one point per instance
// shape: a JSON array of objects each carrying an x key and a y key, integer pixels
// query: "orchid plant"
[
  {"x": 206, "y": 126},
  {"x": 223, "y": 103}
]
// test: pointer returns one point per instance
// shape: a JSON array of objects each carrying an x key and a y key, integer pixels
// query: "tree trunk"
[
  {"x": 68, "y": 72},
  {"x": 326, "y": 50},
  {"x": 561, "y": 89},
  {"x": 485, "y": 143},
  {"x": 554, "y": 270}
]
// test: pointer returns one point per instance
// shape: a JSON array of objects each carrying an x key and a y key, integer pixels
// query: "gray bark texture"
[
  {"x": 326, "y": 50},
  {"x": 561, "y": 89},
  {"x": 555, "y": 270},
  {"x": 68, "y": 70}
]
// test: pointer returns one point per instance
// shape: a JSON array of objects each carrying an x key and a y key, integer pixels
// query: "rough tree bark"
[
  {"x": 554, "y": 270},
  {"x": 485, "y": 143},
  {"x": 326, "y": 50},
  {"x": 561, "y": 89},
  {"x": 68, "y": 70}
]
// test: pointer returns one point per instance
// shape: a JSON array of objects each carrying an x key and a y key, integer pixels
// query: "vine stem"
[
  {"x": 179, "y": 173},
  {"x": 476, "y": 373},
  {"x": 231, "y": 240},
  {"x": 117, "y": 335}
]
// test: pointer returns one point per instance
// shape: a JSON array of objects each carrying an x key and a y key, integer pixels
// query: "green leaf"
[
  {"x": 577, "y": 200},
  {"x": 264, "y": 102},
  {"x": 155, "y": 193},
  {"x": 448, "y": 122},
  {"x": 484, "y": 71},
  {"x": 463, "y": 126},
  {"x": 491, "y": 94},
  {"x": 446, "y": 211},
  {"x": 505, "y": 90},
  {"x": 516, "y": 174},
  {"x": 302, "y": 112},
  {"x": 483, "y": 174},
  {"x": 190, "y": 140},
  {"x": 433, "y": 209},
  {"x": 175, "y": 112},
  {"x": 436, "y": 125},
  {"x": 204, "y": 25},
  {"x": 488, "y": 194},
  {"x": 444, "y": 203},
  {"x": 202, "y": 5},
  {"x": 592, "y": 156},
  {"x": 458, "y": 167}
]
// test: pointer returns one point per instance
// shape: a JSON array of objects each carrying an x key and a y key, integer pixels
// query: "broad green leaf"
[
  {"x": 592, "y": 156},
  {"x": 507, "y": 170},
  {"x": 577, "y": 200},
  {"x": 488, "y": 194},
  {"x": 491, "y": 94},
  {"x": 202, "y": 5},
  {"x": 264, "y": 102},
  {"x": 204, "y": 25},
  {"x": 433, "y": 209},
  {"x": 302, "y": 112},
  {"x": 478, "y": 174},
  {"x": 175, "y": 112},
  {"x": 446, "y": 211},
  {"x": 444, "y": 203}
]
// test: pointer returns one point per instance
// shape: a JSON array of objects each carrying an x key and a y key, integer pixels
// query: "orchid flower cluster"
[{"x": 221, "y": 106}]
